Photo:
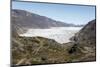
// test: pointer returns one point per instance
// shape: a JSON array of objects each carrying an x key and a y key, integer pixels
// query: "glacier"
[{"x": 59, "y": 34}]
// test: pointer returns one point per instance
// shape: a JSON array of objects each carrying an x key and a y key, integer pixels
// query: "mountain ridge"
[{"x": 32, "y": 20}]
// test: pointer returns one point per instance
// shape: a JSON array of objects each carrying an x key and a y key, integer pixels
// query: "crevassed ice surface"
[{"x": 59, "y": 34}]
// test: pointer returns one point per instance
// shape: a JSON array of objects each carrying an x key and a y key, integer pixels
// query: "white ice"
[{"x": 59, "y": 34}]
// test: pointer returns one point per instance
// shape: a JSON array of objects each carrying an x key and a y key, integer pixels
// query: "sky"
[{"x": 68, "y": 13}]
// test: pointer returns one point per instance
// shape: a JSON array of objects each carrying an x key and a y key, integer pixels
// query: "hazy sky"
[{"x": 66, "y": 13}]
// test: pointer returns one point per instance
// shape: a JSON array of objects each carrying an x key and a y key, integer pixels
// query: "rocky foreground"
[{"x": 39, "y": 50}]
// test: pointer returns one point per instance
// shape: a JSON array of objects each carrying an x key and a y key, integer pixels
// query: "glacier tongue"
[{"x": 59, "y": 34}]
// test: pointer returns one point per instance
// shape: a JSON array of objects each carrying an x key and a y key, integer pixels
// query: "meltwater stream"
[{"x": 59, "y": 34}]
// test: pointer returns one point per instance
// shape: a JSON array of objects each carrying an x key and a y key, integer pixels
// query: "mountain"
[
  {"x": 31, "y": 20},
  {"x": 39, "y": 50},
  {"x": 87, "y": 35},
  {"x": 85, "y": 41}
]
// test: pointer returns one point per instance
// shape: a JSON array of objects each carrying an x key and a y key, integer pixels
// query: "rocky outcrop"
[{"x": 85, "y": 41}]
